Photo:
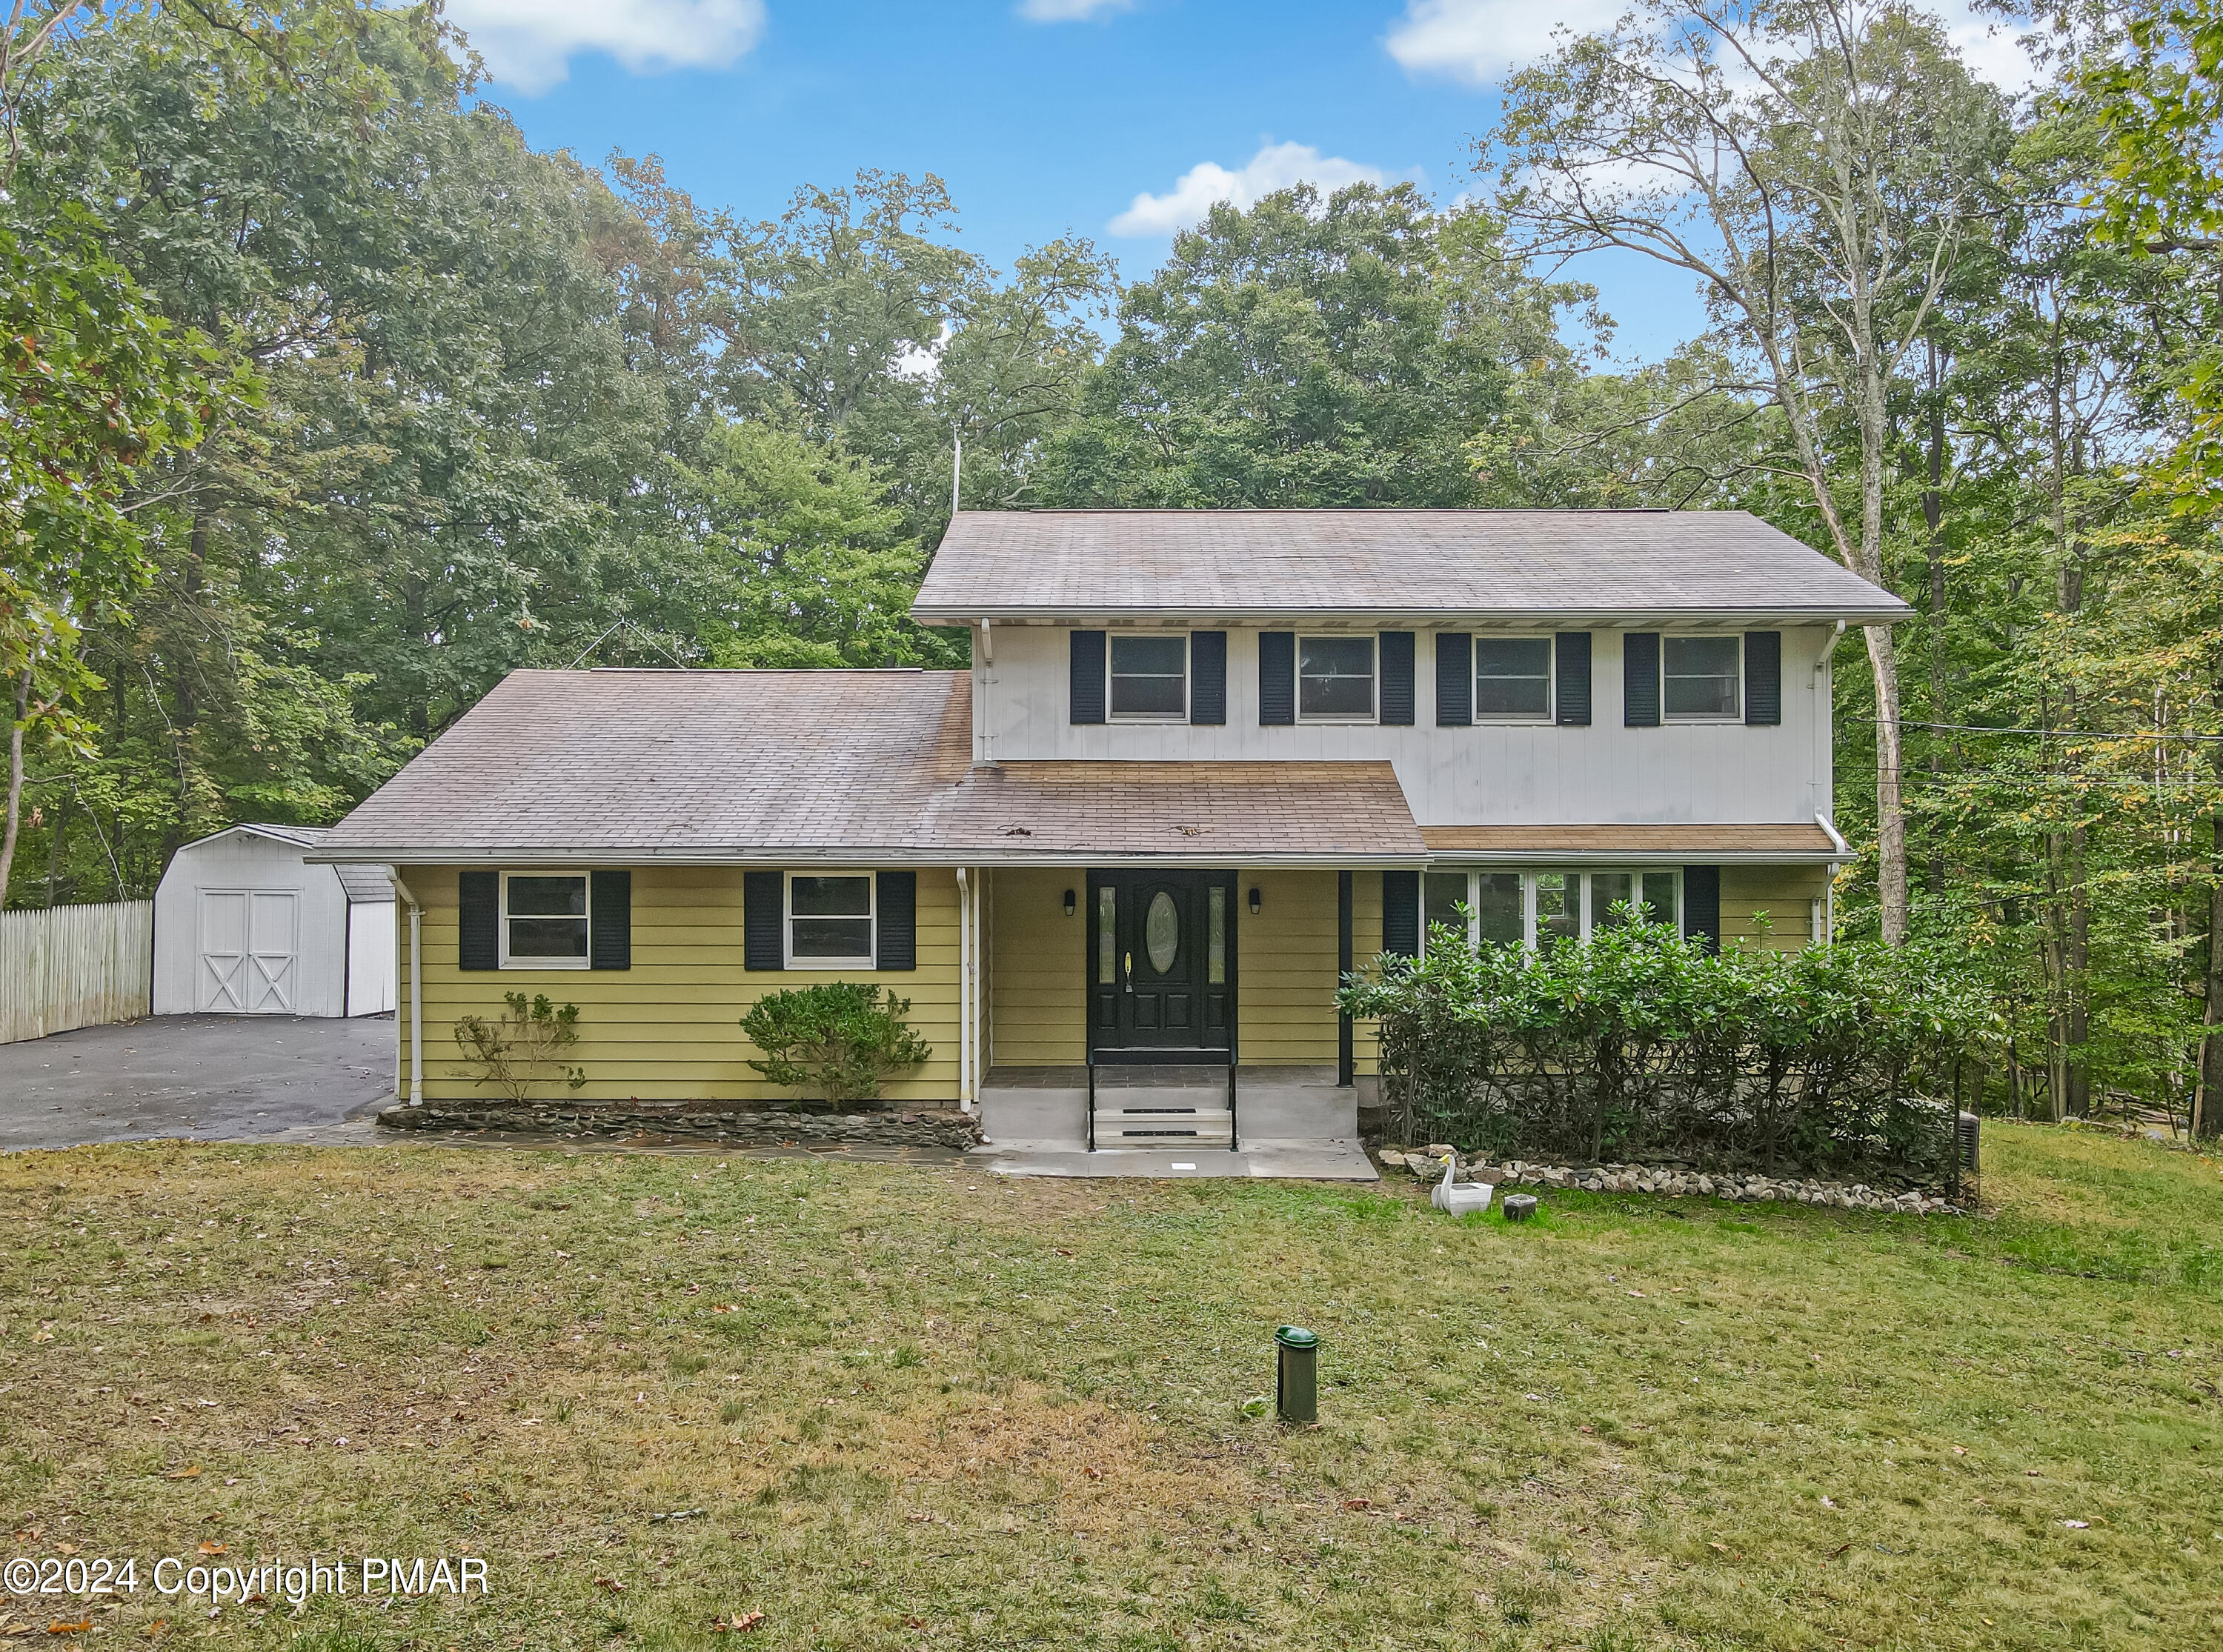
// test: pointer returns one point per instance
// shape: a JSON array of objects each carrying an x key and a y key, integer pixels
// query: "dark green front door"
[{"x": 1161, "y": 966}]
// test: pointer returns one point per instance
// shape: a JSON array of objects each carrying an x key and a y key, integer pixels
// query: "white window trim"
[
  {"x": 1585, "y": 921},
  {"x": 1349, "y": 720},
  {"x": 1188, "y": 680},
  {"x": 1499, "y": 719},
  {"x": 1687, "y": 719},
  {"x": 788, "y": 959},
  {"x": 502, "y": 921}
]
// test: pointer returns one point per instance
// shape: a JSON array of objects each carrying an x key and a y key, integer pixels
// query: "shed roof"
[
  {"x": 1593, "y": 567},
  {"x": 365, "y": 884},
  {"x": 832, "y": 766}
]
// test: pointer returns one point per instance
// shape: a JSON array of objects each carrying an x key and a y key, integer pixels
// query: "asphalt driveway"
[{"x": 200, "y": 1078}]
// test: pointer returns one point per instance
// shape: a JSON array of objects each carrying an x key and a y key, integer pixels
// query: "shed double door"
[
  {"x": 1161, "y": 966},
  {"x": 249, "y": 951}
]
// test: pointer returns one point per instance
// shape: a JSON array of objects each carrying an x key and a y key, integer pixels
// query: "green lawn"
[{"x": 941, "y": 1411}]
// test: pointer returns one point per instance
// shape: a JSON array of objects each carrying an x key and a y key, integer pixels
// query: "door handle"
[{"x": 1128, "y": 975}]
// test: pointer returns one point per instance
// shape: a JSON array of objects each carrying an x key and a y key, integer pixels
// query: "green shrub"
[
  {"x": 512, "y": 1051},
  {"x": 1640, "y": 1045},
  {"x": 836, "y": 1041}
]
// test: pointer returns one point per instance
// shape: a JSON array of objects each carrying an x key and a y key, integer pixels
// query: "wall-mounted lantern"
[
  {"x": 1069, "y": 907},
  {"x": 1254, "y": 902}
]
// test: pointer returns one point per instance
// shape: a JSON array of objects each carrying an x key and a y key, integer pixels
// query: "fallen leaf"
[
  {"x": 154, "y": 1630},
  {"x": 1356, "y": 1503},
  {"x": 749, "y": 1621},
  {"x": 1960, "y": 1451},
  {"x": 1093, "y": 1472},
  {"x": 1710, "y": 1544},
  {"x": 69, "y": 1629},
  {"x": 1584, "y": 1428},
  {"x": 2077, "y": 1525},
  {"x": 183, "y": 1473},
  {"x": 911, "y": 1622},
  {"x": 206, "y": 1547}
]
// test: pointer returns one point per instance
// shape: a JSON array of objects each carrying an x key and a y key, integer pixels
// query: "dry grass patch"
[{"x": 899, "y": 1407}]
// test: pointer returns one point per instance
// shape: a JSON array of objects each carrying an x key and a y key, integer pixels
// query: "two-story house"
[{"x": 1204, "y": 761}]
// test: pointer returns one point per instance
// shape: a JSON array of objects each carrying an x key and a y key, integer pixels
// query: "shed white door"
[{"x": 249, "y": 951}]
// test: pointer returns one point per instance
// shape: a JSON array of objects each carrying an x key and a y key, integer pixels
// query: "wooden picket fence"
[{"x": 75, "y": 966}]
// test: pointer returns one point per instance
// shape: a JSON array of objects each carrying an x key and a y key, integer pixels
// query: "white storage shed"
[{"x": 245, "y": 924}]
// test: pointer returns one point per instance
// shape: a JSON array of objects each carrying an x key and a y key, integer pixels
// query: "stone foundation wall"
[{"x": 740, "y": 1127}]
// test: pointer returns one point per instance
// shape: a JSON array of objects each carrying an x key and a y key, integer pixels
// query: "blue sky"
[{"x": 1044, "y": 116}]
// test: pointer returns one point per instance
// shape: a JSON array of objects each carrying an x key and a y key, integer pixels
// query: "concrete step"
[{"x": 1172, "y": 1124}]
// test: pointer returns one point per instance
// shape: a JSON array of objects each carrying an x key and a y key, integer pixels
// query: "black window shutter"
[
  {"x": 1207, "y": 676},
  {"x": 1277, "y": 676},
  {"x": 762, "y": 901},
  {"x": 1454, "y": 678},
  {"x": 1401, "y": 914},
  {"x": 898, "y": 942},
  {"x": 1763, "y": 676},
  {"x": 610, "y": 940},
  {"x": 1396, "y": 649},
  {"x": 1088, "y": 676},
  {"x": 1570, "y": 651},
  {"x": 478, "y": 921},
  {"x": 1639, "y": 679},
  {"x": 1702, "y": 905}
]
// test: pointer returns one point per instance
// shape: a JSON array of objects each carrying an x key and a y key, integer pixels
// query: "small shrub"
[
  {"x": 837, "y": 1041},
  {"x": 514, "y": 1050}
]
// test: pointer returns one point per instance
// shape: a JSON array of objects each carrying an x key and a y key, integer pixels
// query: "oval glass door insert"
[{"x": 1161, "y": 931}]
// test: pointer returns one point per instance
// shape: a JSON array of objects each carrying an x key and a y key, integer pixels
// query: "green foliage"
[
  {"x": 1311, "y": 351},
  {"x": 1639, "y": 1044},
  {"x": 836, "y": 1041},
  {"x": 514, "y": 1052}
]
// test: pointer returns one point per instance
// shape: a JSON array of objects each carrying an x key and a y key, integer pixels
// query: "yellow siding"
[
  {"x": 1785, "y": 894},
  {"x": 667, "y": 1029},
  {"x": 1037, "y": 993},
  {"x": 1285, "y": 969}
]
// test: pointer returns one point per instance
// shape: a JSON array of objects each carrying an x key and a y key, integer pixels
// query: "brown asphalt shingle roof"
[
  {"x": 1790, "y": 841},
  {"x": 1604, "y": 566},
  {"x": 827, "y": 765}
]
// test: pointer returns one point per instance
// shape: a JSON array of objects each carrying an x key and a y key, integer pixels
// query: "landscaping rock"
[
  {"x": 735, "y": 1126},
  {"x": 1675, "y": 1182}
]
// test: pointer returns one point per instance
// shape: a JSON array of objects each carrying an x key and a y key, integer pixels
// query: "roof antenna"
[{"x": 956, "y": 469}]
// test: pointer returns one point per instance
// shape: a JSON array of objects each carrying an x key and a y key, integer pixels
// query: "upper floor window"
[
  {"x": 1149, "y": 677},
  {"x": 1533, "y": 906},
  {"x": 1513, "y": 679},
  {"x": 1702, "y": 678},
  {"x": 543, "y": 920},
  {"x": 830, "y": 921},
  {"x": 1335, "y": 679}
]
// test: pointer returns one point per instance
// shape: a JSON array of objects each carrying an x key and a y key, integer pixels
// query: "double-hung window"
[
  {"x": 1530, "y": 908},
  {"x": 1702, "y": 678},
  {"x": 543, "y": 920},
  {"x": 1335, "y": 679},
  {"x": 830, "y": 917},
  {"x": 1149, "y": 677},
  {"x": 1513, "y": 679}
]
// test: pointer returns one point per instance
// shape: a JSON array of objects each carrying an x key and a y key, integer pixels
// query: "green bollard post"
[{"x": 1296, "y": 1375}]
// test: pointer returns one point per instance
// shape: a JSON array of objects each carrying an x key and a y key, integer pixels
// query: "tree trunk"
[
  {"x": 1933, "y": 520},
  {"x": 2207, "y": 1100},
  {"x": 15, "y": 780}
]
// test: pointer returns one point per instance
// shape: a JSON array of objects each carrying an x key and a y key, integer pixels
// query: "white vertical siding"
[
  {"x": 1487, "y": 774},
  {"x": 63, "y": 967}
]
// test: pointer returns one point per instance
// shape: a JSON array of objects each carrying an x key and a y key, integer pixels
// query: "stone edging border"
[
  {"x": 1642, "y": 1179},
  {"x": 734, "y": 1126}
]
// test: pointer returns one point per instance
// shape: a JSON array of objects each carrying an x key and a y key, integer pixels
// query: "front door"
[{"x": 1161, "y": 966}]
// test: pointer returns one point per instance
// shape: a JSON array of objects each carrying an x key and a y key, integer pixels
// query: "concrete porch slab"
[{"x": 1311, "y": 1160}]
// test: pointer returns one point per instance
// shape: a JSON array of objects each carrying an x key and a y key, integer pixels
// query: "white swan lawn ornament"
[{"x": 1459, "y": 1198}]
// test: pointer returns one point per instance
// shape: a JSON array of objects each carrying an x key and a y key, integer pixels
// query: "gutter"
[
  {"x": 1424, "y": 618},
  {"x": 416, "y": 989},
  {"x": 866, "y": 855}
]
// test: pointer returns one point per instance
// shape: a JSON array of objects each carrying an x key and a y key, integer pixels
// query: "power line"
[{"x": 2048, "y": 733}]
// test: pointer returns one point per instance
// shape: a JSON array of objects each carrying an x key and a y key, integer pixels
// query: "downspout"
[
  {"x": 964, "y": 991},
  {"x": 1829, "y": 931},
  {"x": 416, "y": 989}
]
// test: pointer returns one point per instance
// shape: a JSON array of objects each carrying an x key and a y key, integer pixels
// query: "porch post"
[{"x": 1345, "y": 1068}]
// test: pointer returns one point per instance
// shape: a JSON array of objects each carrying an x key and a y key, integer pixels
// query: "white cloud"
[
  {"x": 1482, "y": 41},
  {"x": 528, "y": 44},
  {"x": 1278, "y": 166},
  {"x": 1068, "y": 11}
]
